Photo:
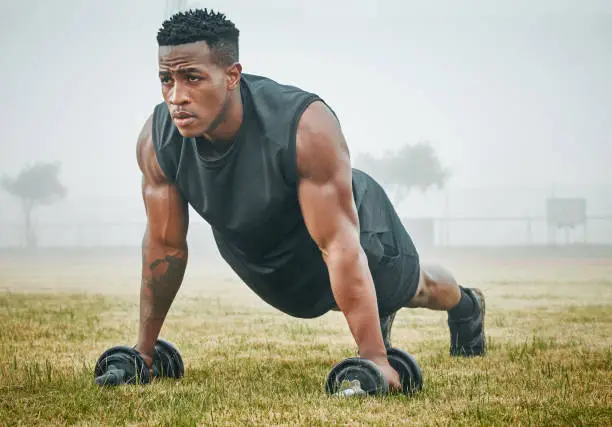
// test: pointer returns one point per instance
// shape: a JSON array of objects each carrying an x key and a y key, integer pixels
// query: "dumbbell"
[
  {"x": 356, "y": 375},
  {"x": 125, "y": 365},
  {"x": 408, "y": 369},
  {"x": 167, "y": 361},
  {"x": 361, "y": 376},
  {"x": 121, "y": 365}
]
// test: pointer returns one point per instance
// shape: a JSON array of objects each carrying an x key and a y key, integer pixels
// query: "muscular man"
[{"x": 267, "y": 166}]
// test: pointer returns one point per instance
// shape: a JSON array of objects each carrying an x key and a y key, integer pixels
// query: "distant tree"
[
  {"x": 35, "y": 185},
  {"x": 412, "y": 166}
]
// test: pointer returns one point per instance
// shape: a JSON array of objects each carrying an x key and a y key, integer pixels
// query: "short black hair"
[{"x": 197, "y": 25}]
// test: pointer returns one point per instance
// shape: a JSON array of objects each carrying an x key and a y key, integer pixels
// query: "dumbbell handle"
[
  {"x": 112, "y": 376},
  {"x": 354, "y": 389}
]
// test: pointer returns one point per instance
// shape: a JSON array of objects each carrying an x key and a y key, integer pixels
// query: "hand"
[
  {"x": 148, "y": 360},
  {"x": 390, "y": 374},
  {"x": 392, "y": 377}
]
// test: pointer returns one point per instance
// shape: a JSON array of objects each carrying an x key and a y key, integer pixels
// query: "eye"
[
  {"x": 165, "y": 79},
  {"x": 193, "y": 78}
]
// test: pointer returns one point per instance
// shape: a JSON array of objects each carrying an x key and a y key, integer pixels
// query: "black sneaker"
[
  {"x": 467, "y": 334},
  {"x": 385, "y": 325}
]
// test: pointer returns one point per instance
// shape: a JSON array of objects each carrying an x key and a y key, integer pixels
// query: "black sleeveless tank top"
[{"x": 249, "y": 196}]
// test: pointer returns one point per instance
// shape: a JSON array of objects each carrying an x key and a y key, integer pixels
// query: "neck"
[{"x": 230, "y": 119}]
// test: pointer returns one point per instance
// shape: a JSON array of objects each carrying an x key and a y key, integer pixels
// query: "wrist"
[
  {"x": 148, "y": 357},
  {"x": 377, "y": 356}
]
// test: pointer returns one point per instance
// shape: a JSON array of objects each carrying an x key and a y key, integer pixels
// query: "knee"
[
  {"x": 433, "y": 286},
  {"x": 438, "y": 275},
  {"x": 424, "y": 291}
]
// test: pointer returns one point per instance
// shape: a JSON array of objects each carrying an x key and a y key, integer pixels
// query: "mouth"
[{"x": 182, "y": 118}]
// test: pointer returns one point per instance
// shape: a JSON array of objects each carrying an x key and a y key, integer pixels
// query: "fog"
[{"x": 516, "y": 97}]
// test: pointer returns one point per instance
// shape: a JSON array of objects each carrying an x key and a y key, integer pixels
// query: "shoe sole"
[
  {"x": 481, "y": 301},
  {"x": 481, "y": 297}
]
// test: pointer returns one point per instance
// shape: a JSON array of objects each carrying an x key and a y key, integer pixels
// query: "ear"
[{"x": 232, "y": 74}]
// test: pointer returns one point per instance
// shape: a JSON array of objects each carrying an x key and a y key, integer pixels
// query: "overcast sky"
[{"x": 512, "y": 93}]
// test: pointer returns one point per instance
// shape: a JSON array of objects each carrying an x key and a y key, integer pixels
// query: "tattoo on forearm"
[{"x": 160, "y": 287}]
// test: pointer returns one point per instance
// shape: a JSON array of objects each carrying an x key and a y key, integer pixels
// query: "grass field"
[{"x": 549, "y": 326}]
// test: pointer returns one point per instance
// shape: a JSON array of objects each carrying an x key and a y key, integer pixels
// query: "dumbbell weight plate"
[
  {"x": 410, "y": 373},
  {"x": 370, "y": 377},
  {"x": 124, "y": 361},
  {"x": 171, "y": 361}
]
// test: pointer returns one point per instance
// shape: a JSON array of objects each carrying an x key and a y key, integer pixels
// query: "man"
[{"x": 267, "y": 166}]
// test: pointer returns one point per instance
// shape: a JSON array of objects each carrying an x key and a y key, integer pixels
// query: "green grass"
[{"x": 549, "y": 361}]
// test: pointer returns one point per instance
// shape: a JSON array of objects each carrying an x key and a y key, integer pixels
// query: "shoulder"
[
  {"x": 165, "y": 140},
  {"x": 256, "y": 82},
  {"x": 317, "y": 120},
  {"x": 145, "y": 152},
  {"x": 282, "y": 100},
  {"x": 163, "y": 130},
  {"x": 144, "y": 143},
  {"x": 320, "y": 143}
]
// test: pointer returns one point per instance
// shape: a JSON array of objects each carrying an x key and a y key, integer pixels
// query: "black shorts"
[{"x": 392, "y": 256}]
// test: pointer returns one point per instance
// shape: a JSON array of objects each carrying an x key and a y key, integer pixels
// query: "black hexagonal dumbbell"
[
  {"x": 125, "y": 365},
  {"x": 359, "y": 376},
  {"x": 121, "y": 365},
  {"x": 356, "y": 376},
  {"x": 167, "y": 361}
]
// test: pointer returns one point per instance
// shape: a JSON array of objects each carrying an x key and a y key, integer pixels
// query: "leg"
[
  {"x": 438, "y": 290},
  {"x": 394, "y": 261}
]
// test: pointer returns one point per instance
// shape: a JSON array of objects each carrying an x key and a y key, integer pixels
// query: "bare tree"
[
  {"x": 412, "y": 166},
  {"x": 35, "y": 185}
]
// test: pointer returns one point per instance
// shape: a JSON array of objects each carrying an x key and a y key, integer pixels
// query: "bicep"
[
  {"x": 167, "y": 214},
  {"x": 325, "y": 186},
  {"x": 166, "y": 210}
]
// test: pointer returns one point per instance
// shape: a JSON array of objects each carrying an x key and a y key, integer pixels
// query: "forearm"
[
  {"x": 354, "y": 292},
  {"x": 163, "y": 268}
]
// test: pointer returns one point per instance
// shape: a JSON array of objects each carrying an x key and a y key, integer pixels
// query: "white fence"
[
  {"x": 463, "y": 217},
  {"x": 442, "y": 232}
]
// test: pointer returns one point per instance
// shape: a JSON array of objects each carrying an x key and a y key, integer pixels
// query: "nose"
[{"x": 178, "y": 94}]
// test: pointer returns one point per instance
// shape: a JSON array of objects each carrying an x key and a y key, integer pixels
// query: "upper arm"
[
  {"x": 325, "y": 180},
  {"x": 166, "y": 210}
]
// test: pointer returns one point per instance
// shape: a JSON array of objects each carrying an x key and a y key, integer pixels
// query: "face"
[{"x": 196, "y": 90}]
